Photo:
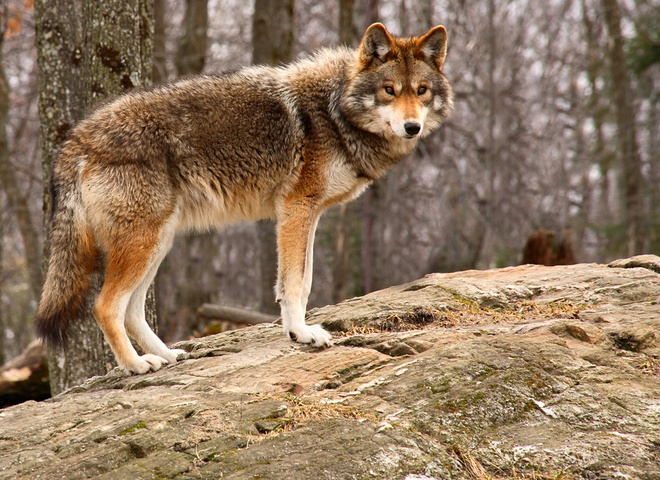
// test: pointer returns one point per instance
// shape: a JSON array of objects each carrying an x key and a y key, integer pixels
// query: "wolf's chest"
[{"x": 342, "y": 183}]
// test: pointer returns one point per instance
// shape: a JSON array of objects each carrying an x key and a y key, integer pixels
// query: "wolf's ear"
[
  {"x": 432, "y": 46},
  {"x": 377, "y": 45}
]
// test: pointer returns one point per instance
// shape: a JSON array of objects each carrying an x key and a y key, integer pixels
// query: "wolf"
[{"x": 264, "y": 142}]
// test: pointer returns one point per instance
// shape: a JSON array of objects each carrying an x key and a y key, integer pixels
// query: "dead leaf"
[{"x": 14, "y": 24}]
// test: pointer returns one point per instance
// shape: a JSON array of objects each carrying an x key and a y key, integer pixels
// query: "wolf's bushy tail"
[{"x": 73, "y": 258}]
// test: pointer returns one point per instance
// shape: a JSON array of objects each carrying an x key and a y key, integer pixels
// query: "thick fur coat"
[{"x": 283, "y": 143}]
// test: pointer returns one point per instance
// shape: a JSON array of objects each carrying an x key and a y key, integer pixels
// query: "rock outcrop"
[{"x": 522, "y": 372}]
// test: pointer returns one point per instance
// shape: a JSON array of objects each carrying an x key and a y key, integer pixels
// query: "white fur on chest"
[{"x": 343, "y": 184}]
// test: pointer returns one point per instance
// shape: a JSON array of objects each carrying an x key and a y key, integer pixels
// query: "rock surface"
[{"x": 523, "y": 372}]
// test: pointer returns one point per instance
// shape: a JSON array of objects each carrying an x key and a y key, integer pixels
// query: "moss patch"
[{"x": 134, "y": 428}]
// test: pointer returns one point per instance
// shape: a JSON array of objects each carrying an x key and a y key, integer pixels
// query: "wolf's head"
[{"x": 396, "y": 86}]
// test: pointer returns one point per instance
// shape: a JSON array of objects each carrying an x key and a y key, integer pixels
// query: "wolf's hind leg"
[
  {"x": 136, "y": 323},
  {"x": 129, "y": 262}
]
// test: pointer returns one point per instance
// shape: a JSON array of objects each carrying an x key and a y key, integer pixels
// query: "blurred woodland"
[{"x": 556, "y": 128}]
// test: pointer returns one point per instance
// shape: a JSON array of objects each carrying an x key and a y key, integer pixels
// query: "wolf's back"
[{"x": 73, "y": 258}]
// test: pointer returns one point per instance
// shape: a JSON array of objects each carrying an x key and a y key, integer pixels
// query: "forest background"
[{"x": 556, "y": 127}]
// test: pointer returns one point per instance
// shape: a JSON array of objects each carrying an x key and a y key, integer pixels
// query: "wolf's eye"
[
  {"x": 421, "y": 90},
  {"x": 389, "y": 90}
]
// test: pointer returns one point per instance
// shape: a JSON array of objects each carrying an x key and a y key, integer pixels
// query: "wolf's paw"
[
  {"x": 172, "y": 354},
  {"x": 312, "y": 334},
  {"x": 145, "y": 363}
]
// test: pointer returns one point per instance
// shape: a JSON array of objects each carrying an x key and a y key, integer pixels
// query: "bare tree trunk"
[
  {"x": 192, "y": 46},
  {"x": 490, "y": 150},
  {"x": 267, "y": 265},
  {"x": 340, "y": 269},
  {"x": 346, "y": 23},
  {"x": 86, "y": 51},
  {"x": 371, "y": 12},
  {"x": 159, "y": 74},
  {"x": 654, "y": 173},
  {"x": 626, "y": 131},
  {"x": 3, "y": 314},
  {"x": 367, "y": 238},
  {"x": 196, "y": 248},
  {"x": 373, "y": 192},
  {"x": 598, "y": 152},
  {"x": 59, "y": 35},
  {"x": 272, "y": 44},
  {"x": 426, "y": 11},
  {"x": 15, "y": 198},
  {"x": 272, "y": 31},
  {"x": 404, "y": 21}
]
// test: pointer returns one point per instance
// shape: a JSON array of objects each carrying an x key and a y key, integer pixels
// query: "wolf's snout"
[{"x": 412, "y": 128}]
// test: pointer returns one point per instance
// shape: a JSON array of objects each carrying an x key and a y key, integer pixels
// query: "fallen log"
[
  {"x": 234, "y": 315},
  {"x": 25, "y": 377}
]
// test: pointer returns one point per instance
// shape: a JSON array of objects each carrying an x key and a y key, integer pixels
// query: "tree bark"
[
  {"x": 87, "y": 51},
  {"x": 272, "y": 44},
  {"x": 626, "y": 131}
]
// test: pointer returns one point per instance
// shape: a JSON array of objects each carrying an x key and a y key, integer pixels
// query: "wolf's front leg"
[
  {"x": 295, "y": 231},
  {"x": 309, "y": 264}
]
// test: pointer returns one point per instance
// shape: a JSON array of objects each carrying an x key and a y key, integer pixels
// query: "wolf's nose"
[{"x": 412, "y": 128}]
